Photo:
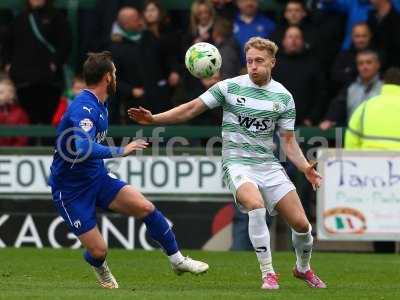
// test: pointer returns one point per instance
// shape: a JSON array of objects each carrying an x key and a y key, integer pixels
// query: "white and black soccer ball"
[{"x": 203, "y": 60}]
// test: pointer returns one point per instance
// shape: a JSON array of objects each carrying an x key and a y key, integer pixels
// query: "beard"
[{"x": 112, "y": 88}]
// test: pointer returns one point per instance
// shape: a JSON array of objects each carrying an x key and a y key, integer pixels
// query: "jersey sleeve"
[
  {"x": 287, "y": 118},
  {"x": 84, "y": 129},
  {"x": 214, "y": 96}
]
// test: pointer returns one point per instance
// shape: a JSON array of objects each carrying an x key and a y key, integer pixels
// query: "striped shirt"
[{"x": 251, "y": 114}]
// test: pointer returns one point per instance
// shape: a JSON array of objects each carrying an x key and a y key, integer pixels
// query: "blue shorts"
[{"x": 78, "y": 206}]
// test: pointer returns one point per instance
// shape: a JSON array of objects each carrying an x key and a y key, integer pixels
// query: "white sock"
[
  {"x": 259, "y": 236},
  {"x": 302, "y": 243},
  {"x": 176, "y": 258}
]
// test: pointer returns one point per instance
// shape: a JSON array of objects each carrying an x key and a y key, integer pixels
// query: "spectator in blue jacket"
[{"x": 249, "y": 22}]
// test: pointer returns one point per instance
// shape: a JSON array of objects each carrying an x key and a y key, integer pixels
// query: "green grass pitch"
[{"x": 62, "y": 274}]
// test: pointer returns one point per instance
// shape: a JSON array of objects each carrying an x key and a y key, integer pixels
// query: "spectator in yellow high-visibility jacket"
[{"x": 375, "y": 123}]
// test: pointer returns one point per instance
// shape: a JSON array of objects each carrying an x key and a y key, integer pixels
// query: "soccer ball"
[{"x": 203, "y": 60}]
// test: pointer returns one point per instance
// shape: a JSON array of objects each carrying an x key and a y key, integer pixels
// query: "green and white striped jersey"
[{"x": 250, "y": 116}]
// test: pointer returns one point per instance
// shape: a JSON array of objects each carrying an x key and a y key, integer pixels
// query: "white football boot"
[
  {"x": 190, "y": 265},
  {"x": 104, "y": 277}
]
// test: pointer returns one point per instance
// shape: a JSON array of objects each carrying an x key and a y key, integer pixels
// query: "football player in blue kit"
[{"x": 80, "y": 182}]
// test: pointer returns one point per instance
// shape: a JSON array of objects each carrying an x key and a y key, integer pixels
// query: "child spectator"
[
  {"x": 78, "y": 84},
  {"x": 11, "y": 114}
]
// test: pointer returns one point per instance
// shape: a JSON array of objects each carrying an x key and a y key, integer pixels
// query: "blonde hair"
[
  {"x": 193, "y": 13},
  {"x": 261, "y": 44}
]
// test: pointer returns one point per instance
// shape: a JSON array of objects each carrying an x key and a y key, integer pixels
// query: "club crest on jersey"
[
  {"x": 77, "y": 224},
  {"x": 256, "y": 124},
  {"x": 240, "y": 101},
  {"x": 86, "y": 124},
  {"x": 276, "y": 106}
]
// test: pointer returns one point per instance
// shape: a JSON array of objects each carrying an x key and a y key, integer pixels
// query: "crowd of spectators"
[{"x": 331, "y": 55}]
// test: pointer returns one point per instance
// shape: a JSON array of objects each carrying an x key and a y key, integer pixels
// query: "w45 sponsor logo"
[{"x": 256, "y": 124}]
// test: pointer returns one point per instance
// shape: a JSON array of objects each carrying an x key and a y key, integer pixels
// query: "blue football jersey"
[{"x": 85, "y": 119}]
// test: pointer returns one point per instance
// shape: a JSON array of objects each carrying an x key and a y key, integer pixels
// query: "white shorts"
[{"x": 273, "y": 184}]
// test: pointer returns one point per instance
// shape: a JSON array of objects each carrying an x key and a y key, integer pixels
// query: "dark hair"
[
  {"x": 96, "y": 66},
  {"x": 293, "y": 26},
  {"x": 392, "y": 76},
  {"x": 299, "y": 2},
  {"x": 370, "y": 52},
  {"x": 224, "y": 27},
  {"x": 163, "y": 18}
]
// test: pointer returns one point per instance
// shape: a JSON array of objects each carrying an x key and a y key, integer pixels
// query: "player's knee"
[
  {"x": 146, "y": 208},
  {"x": 301, "y": 225},
  {"x": 98, "y": 252},
  {"x": 256, "y": 205}
]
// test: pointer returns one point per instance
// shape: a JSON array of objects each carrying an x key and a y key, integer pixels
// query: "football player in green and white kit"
[{"x": 253, "y": 105}]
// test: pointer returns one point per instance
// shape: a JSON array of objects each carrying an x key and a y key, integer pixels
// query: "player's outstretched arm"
[
  {"x": 296, "y": 156},
  {"x": 179, "y": 114},
  {"x": 134, "y": 146}
]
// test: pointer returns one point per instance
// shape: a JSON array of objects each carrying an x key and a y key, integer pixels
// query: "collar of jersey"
[
  {"x": 264, "y": 87},
  {"x": 94, "y": 95}
]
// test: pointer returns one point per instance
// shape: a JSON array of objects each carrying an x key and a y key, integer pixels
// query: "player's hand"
[
  {"x": 313, "y": 176},
  {"x": 134, "y": 146},
  {"x": 141, "y": 115}
]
